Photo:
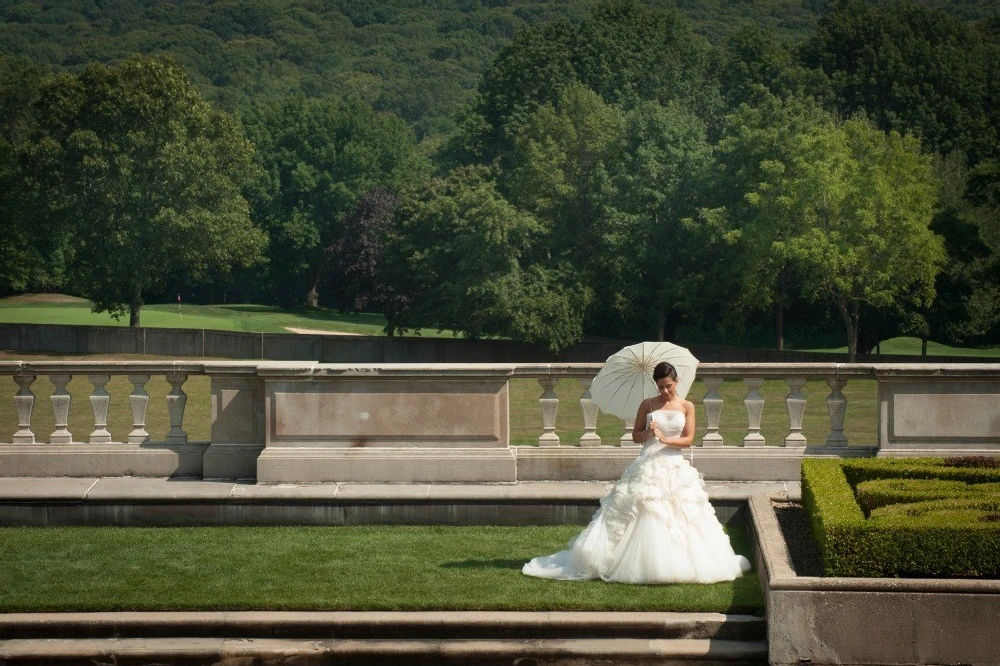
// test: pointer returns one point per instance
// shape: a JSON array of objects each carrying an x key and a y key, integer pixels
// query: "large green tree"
[
  {"x": 318, "y": 158},
  {"x": 624, "y": 51},
  {"x": 765, "y": 146},
  {"x": 144, "y": 177},
  {"x": 913, "y": 68},
  {"x": 966, "y": 310},
  {"x": 840, "y": 209},
  {"x": 463, "y": 258},
  {"x": 33, "y": 254},
  {"x": 865, "y": 201},
  {"x": 654, "y": 261}
]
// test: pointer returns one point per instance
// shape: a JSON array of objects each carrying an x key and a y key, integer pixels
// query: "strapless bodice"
[{"x": 671, "y": 422}]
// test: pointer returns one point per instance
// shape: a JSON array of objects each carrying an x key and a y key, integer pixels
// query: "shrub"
[
  {"x": 952, "y": 536},
  {"x": 972, "y": 461},
  {"x": 884, "y": 492}
]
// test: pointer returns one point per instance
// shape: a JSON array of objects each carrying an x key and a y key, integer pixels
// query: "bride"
[{"x": 656, "y": 524}]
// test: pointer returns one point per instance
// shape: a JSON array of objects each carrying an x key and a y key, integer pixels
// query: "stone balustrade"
[{"x": 310, "y": 422}]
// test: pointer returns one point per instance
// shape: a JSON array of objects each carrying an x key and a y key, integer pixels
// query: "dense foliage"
[
  {"x": 535, "y": 170},
  {"x": 916, "y": 517}
]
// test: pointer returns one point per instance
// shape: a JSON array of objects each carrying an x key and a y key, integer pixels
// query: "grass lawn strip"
[{"x": 373, "y": 567}]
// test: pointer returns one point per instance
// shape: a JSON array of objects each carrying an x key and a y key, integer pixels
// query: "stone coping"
[
  {"x": 100, "y": 489},
  {"x": 648, "y": 620},
  {"x": 310, "y": 369},
  {"x": 777, "y": 566}
]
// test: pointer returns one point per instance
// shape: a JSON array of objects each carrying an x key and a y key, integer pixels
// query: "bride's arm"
[{"x": 640, "y": 433}]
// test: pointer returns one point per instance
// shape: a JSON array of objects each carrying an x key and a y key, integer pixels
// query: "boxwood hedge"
[{"x": 950, "y": 536}]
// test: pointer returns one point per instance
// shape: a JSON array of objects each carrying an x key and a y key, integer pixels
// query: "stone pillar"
[
  {"x": 795, "y": 403},
  {"x": 626, "y": 438},
  {"x": 754, "y": 402},
  {"x": 836, "y": 402},
  {"x": 139, "y": 400},
  {"x": 590, "y": 436},
  {"x": 24, "y": 402},
  {"x": 60, "y": 409},
  {"x": 238, "y": 430},
  {"x": 713, "y": 412},
  {"x": 549, "y": 403},
  {"x": 176, "y": 401},
  {"x": 100, "y": 401}
]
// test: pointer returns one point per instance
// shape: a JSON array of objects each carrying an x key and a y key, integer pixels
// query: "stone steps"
[{"x": 481, "y": 638}]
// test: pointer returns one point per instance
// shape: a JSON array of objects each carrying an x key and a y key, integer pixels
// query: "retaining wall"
[{"x": 206, "y": 343}]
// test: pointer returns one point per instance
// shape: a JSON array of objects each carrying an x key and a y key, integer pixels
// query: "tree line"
[{"x": 613, "y": 174}]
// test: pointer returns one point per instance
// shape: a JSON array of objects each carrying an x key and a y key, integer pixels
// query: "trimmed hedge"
[
  {"x": 870, "y": 469},
  {"x": 946, "y": 538},
  {"x": 969, "y": 510},
  {"x": 887, "y": 492}
]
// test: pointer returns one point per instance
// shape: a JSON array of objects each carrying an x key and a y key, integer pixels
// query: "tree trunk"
[
  {"x": 923, "y": 346},
  {"x": 779, "y": 325},
  {"x": 312, "y": 286},
  {"x": 135, "y": 307},
  {"x": 668, "y": 326},
  {"x": 779, "y": 315},
  {"x": 661, "y": 323},
  {"x": 850, "y": 320}
]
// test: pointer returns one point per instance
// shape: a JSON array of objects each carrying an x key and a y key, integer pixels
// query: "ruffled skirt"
[{"x": 656, "y": 525}]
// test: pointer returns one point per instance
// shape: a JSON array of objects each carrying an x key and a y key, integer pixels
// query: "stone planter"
[{"x": 816, "y": 620}]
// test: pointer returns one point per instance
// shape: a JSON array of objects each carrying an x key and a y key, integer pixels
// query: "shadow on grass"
[{"x": 484, "y": 564}]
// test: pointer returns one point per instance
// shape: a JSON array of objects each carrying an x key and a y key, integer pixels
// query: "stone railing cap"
[{"x": 102, "y": 367}]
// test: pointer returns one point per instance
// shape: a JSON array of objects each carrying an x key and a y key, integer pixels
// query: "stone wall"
[{"x": 202, "y": 343}]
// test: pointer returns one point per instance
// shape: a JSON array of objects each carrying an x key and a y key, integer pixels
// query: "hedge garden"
[{"x": 905, "y": 517}]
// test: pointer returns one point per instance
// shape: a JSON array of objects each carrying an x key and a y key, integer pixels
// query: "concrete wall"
[
  {"x": 831, "y": 621},
  {"x": 359, "y": 348}
]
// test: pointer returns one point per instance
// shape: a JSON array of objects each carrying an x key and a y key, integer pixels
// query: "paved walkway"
[{"x": 35, "y": 489}]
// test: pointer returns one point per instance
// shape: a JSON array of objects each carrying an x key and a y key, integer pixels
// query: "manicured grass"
[
  {"x": 911, "y": 347},
  {"x": 251, "y": 318},
  {"x": 322, "y": 568}
]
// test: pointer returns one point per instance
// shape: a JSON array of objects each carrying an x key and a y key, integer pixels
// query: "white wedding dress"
[{"x": 656, "y": 525}]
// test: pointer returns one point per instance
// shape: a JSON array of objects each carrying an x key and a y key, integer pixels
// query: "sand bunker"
[{"x": 312, "y": 331}]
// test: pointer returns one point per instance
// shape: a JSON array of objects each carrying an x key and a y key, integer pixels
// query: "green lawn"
[
  {"x": 322, "y": 568},
  {"x": 911, "y": 347},
  {"x": 251, "y": 318}
]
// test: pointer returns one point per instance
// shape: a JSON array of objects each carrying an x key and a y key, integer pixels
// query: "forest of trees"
[{"x": 761, "y": 173}]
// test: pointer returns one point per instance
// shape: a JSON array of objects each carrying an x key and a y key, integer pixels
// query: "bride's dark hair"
[{"x": 664, "y": 369}]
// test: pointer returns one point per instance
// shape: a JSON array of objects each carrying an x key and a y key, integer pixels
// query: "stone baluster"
[
  {"x": 626, "y": 438},
  {"x": 24, "y": 402},
  {"x": 754, "y": 403},
  {"x": 176, "y": 401},
  {"x": 139, "y": 400},
  {"x": 795, "y": 403},
  {"x": 836, "y": 402},
  {"x": 713, "y": 411},
  {"x": 590, "y": 436},
  {"x": 100, "y": 401},
  {"x": 60, "y": 409},
  {"x": 549, "y": 402}
]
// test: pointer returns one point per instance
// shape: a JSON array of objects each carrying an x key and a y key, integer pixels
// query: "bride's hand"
[{"x": 656, "y": 431}]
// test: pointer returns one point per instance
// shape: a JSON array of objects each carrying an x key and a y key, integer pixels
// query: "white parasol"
[{"x": 627, "y": 376}]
